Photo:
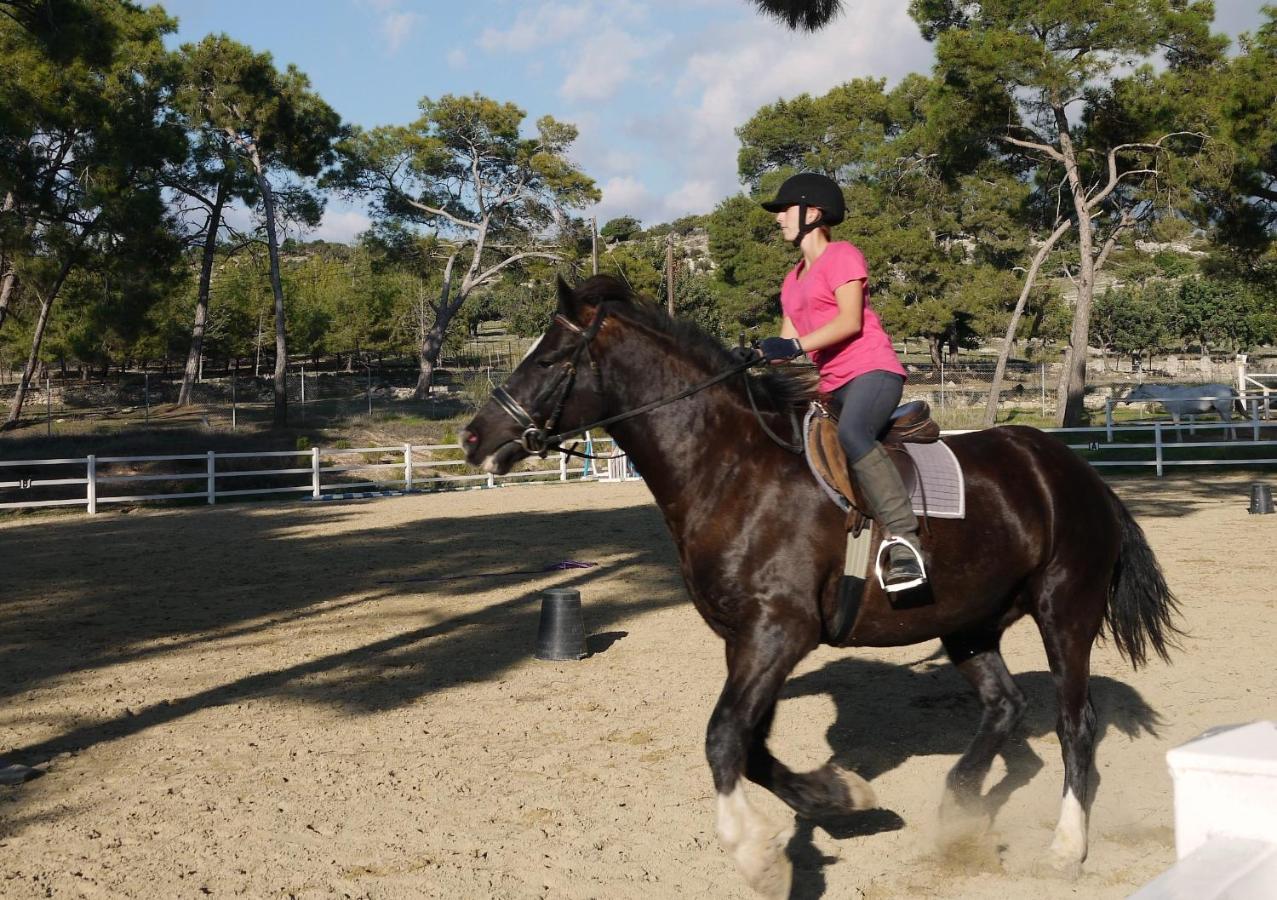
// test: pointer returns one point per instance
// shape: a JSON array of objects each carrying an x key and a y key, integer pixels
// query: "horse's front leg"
[
  {"x": 821, "y": 794},
  {"x": 759, "y": 659}
]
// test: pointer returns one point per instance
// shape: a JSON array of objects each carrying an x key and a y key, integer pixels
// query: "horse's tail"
[{"x": 1141, "y": 608}]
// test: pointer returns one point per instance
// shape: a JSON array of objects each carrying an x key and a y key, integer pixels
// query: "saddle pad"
[
  {"x": 933, "y": 476},
  {"x": 938, "y": 490}
]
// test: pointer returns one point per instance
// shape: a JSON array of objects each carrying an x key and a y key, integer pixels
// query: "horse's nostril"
[{"x": 469, "y": 437}]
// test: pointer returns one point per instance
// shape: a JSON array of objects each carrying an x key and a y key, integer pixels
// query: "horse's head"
[
  {"x": 554, "y": 389},
  {"x": 1141, "y": 392}
]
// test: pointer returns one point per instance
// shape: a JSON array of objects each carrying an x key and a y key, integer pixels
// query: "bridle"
[{"x": 540, "y": 440}]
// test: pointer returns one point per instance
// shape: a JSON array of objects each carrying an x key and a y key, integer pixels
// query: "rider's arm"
[
  {"x": 845, "y": 324},
  {"x": 787, "y": 329}
]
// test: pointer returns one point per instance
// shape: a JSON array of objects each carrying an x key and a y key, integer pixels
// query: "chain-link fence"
[{"x": 957, "y": 389}]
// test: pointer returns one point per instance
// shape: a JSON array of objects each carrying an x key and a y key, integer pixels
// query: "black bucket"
[
  {"x": 561, "y": 633},
  {"x": 1261, "y": 499}
]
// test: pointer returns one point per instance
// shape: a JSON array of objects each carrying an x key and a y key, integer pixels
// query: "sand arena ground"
[{"x": 340, "y": 701}]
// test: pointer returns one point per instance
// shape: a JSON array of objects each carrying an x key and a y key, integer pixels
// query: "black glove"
[
  {"x": 780, "y": 348},
  {"x": 744, "y": 354}
]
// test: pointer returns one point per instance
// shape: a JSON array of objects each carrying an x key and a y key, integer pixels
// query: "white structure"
[{"x": 1225, "y": 817}]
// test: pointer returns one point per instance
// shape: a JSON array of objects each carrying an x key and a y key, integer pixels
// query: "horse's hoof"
[
  {"x": 860, "y": 793},
  {"x": 1059, "y": 867},
  {"x": 963, "y": 835},
  {"x": 766, "y": 867},
  {"x": 1064, "y": 860}
]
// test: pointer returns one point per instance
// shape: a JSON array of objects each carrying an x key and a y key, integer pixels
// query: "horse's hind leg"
[
  {"x": 1068, "y": 648},
  {"x": 826, "y": 792},
  {"x": 979, "y": 660}
]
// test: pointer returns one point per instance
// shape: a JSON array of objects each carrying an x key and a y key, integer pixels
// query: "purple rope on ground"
[{"x": 549, "y": 567}]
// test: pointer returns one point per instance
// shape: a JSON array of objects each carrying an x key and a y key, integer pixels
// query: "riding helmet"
[{"x": 811, "y": 189}]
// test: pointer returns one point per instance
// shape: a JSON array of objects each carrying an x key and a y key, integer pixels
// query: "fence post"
[
  {"x": 1043, "y": 389},
  {"x": 314, "y": 472},
  {"x": 1108, "y": 420},
  {"x": 1254, "y": 418},
  {"x": 563, "y": 466},
  {"x": 407, "y": 467},
  {"x": 212, "y": 478},
  {"x": 91, "y": 485},
  {"x": 492, "y": 482},
  {"x": 1157, "y": 446},
  {"x": 942, "y": 379}
]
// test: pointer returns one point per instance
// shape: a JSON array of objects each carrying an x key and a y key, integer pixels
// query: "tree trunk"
[
  {"x": 428, "y": 357},
  {"x": 281, "y": 343},
  {"x": 1070, "y": 409},
  {"x": 201, "y": 304},
  {"x": 33, "y": 358},
  {"x": 995, "y": 391},
  {"x": 20, "y": 396},
  {"x": 8, "y": 277},
  {"x": 933, "y": 347},
  {"x": 8, "y": 281},
  {"x": 432, "y": 338}
]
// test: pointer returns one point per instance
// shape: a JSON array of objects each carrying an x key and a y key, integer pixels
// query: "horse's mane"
[{"x": 781, "y": 389}]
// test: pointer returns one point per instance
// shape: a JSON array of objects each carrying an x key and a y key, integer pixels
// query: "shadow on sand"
[{"x": 936, "y": 713}]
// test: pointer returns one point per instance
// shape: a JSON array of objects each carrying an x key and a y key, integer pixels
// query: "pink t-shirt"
[{"x": 807, "y": 298}]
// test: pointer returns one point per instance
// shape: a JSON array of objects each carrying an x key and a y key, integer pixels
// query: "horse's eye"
[{"x": 544, "y": 363}]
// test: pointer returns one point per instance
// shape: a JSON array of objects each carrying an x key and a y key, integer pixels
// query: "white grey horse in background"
[{"x": 1189, "y": 400}]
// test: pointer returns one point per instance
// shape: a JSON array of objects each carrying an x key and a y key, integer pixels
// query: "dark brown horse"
[{"x": 762, "y": 553}]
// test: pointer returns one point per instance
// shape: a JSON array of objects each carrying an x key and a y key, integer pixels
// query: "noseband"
[{"x": 539, "y": 440}]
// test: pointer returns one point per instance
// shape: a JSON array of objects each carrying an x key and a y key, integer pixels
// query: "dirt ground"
[{"x": 340, "y": 700}]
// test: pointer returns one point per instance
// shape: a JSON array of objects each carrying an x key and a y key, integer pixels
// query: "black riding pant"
[{"x": 867, "y": 402}]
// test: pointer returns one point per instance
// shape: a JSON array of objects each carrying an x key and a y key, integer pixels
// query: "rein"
[{"x": 540, "y": 439}]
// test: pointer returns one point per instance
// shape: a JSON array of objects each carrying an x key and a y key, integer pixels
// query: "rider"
[{"x": 826, "y": 314}]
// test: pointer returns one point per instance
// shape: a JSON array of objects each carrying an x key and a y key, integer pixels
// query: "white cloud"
[
  {"x": 758, "y": 62},
  {"x": 457, "y": 58},
  {"x": 396, "y": 28},
  {"x": 605, "y": 63},
  {"x": 541, "y": 25}
]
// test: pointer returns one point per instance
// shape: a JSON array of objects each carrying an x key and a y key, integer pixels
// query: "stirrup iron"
[{"x": 904, "y": 585}]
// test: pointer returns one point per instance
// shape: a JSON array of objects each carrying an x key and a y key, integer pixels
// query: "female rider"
[{"x": 826, "y": 315}]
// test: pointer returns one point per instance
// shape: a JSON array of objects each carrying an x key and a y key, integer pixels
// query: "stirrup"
[{"x": 904, "y": 585}]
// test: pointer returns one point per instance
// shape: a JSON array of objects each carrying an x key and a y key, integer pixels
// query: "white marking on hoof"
[
  {"x": 1068, "y": 849},
  {"x": 489, "y": 464},
  {"x": 861, "y": 791},
  {"x": 756, "y": 845}
]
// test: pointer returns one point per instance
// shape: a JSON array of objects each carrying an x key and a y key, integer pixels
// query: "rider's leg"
[{"x": 867, "y": 403}]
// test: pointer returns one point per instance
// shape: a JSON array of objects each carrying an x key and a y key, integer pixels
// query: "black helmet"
[{"x": 811, "y": 189}]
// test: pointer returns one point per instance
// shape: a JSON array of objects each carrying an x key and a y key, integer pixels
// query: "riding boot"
[{"x": 879, "y": 481}]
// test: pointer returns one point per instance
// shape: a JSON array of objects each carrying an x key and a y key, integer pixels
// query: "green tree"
[
  {"x": 487, "y": 193},
  {"x": 211, "y": 176},
  {"x": 277, "y": 126},
  {"x": 622, "y": 228},
  {"x": 1037, "y": 80},
  {"x": 79, "y": 162}
]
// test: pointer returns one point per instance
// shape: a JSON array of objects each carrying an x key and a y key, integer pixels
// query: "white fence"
[
  {"x": 413, "y": 467},
  {"x": 410, "y": 467}
]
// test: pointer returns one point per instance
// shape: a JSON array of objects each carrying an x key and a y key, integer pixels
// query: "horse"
[
  {"x": 1189, "y": 400},
  {"x": 761, "y": 549}
]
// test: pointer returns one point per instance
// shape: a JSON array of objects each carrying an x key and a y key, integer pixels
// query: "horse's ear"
[
  {"x": 567, "y": 302},
  {"x": 575, "y": 307}
]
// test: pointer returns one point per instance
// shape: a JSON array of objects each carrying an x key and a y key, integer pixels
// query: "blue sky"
[{"x": 656, "y": 88}]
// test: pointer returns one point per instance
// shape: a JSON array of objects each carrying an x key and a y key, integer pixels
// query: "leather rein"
[{"x": 539, "y": 440}]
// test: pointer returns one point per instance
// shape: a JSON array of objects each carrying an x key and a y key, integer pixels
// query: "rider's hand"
[{"x": 780, "y": 349}]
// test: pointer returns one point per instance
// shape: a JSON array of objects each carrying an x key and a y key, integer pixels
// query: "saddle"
[{"x": 911, "y": 423}]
